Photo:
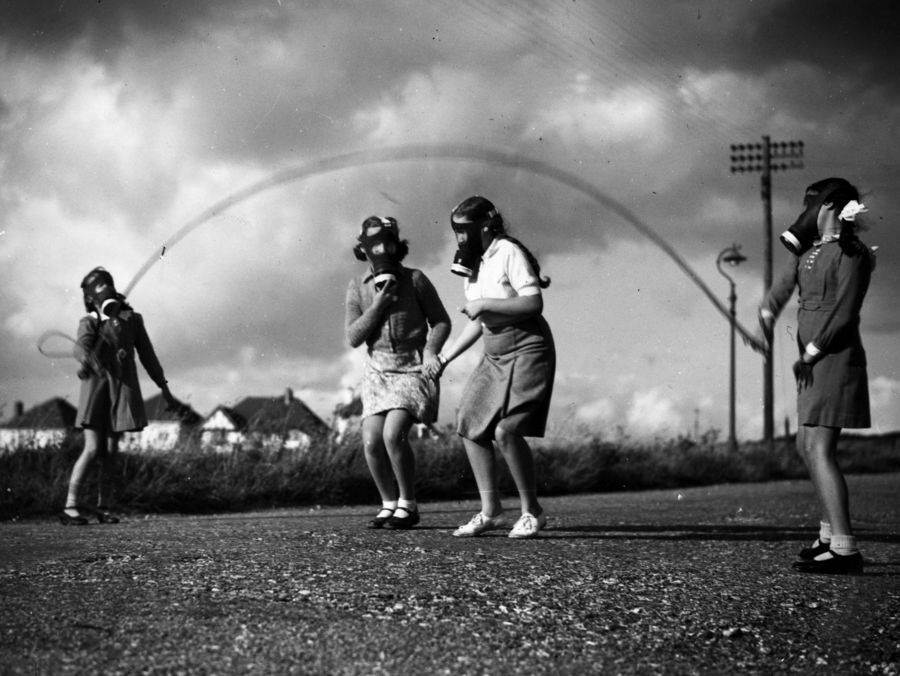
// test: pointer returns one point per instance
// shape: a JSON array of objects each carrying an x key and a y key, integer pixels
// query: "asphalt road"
[{"x": 674, "y": 581}]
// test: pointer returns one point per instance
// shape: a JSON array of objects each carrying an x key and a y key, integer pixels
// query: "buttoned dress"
[
  {"x": 416, "y": 320},
  {"x": 832, "y": 279},
  {"x": 513, "y": 381},
  {"x": 110, "y": 397}
]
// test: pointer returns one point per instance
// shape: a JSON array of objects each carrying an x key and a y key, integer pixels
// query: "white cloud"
[
  {"x": 652, "y": 413},
  {"x": 592, "y": 113},
  {"x": 600, "y": 411}
]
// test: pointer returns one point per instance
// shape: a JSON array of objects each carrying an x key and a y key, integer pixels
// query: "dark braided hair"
[{"x": 479, "y": 209}]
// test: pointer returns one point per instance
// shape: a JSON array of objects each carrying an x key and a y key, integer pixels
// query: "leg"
[
  {"x": 106, "y": 472},
  {"x": 484, "y": 467},
  {"x": 842, "y": 554},
  {"x": 396, "y": 440},
  {"x": 376, "y": 457},
  {"x": 397, "y": 424},
  {"x": 518, "y": 456},
  {"x": 92, "y": 440},
  {"x": 820, "y": 449}
]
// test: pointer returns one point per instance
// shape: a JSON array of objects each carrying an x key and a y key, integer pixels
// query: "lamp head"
[{"x": 733, "y": 255}]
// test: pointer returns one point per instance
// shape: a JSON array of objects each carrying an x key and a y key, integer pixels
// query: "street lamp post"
[
  {"x": 767, "y": 157},
  {"x": 733, "y": 256}
]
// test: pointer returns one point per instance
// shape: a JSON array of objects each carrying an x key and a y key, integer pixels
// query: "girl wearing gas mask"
[
  {"x": 831, "y": 269},
  {"x": 507, "y": 397},
  {"x": 110, "y": 400},
  {"x": 397, "y": 313}
]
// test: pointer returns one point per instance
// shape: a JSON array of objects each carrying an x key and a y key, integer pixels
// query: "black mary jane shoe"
[
  {"x": 379, "y": 521},
  {"x": 68, "y": 520},
  {"x": 809, "y": 553},
  {"x": 848, "y": 564},
  {"x": 105, "y": 516},
  {"x": 403, "y": 522}
]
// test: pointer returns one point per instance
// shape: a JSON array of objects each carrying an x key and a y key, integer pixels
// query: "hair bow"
[{"x": 851, "y": 209}]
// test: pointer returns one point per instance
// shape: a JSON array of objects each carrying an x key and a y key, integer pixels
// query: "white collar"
[{"x": 492, "y": 249}]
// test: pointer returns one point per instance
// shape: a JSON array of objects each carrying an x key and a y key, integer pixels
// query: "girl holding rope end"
[
  {"x": 831, "y": 268},
  {"x": 109, "y": 401},
  {"x": 507, "y": 397}
]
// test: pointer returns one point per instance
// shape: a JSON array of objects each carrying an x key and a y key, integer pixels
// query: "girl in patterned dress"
[
  {"x": 507, "y": 397},
  {"x": 831, "y": 270},
  {"x": 397, "y": 313}
]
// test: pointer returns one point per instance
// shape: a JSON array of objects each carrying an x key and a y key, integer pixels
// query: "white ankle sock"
[
  {"x": 844, "y": 545},
  {"x": 389, "y": 504},
  {"x": 409, "y": 506},
  {"x": 824, "y": 532}
]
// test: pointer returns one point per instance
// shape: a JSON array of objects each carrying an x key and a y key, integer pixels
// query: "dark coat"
[
  {"x": 833, "y": 279},
  {"x": 110, "y": 397}
]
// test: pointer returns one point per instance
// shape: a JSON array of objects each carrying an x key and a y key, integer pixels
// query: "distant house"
[
  {"x": 270, "y": 423},
  {"x": 165, "y": 430},
  {"x": 347, "y": 417},
  {"x": 44, "y": 425}
]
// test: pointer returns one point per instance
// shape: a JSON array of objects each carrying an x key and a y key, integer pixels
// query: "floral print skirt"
[{"x": 395, "y": 380}]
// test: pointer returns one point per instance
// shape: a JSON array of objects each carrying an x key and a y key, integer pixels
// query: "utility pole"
[{"x": 767, "y": 157}]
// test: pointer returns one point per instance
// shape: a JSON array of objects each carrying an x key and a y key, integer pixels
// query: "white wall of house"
[
  {"x": 219, "y": 434},
  {"x": 158, "y": 435},
  {"x": 11, "y": 439}
]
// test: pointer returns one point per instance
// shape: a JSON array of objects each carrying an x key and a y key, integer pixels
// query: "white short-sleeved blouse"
[{"x": 504, "y": 273}]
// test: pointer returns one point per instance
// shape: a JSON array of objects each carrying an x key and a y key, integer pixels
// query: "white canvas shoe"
[
  {"x": 477, "y": 525},
  {"x": 528, "y": 526}
]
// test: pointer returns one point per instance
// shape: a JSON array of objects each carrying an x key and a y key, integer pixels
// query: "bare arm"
[{"x": 470, "y": 333}]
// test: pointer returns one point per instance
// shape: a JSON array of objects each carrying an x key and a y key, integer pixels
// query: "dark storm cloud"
[
  {"x": 845, "y": 38},
  {"x": 51, "y": 26}
]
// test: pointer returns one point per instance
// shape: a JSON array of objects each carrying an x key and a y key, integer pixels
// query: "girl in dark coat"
[
  {"x": 831, "y": 270},
  {"x": 110, "y": 400}
]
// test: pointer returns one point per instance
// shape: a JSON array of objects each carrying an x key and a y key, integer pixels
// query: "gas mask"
[
  {"x": 468, "y": 240},
  {"x": 379, "y": 244},
  {"x": 800, "y": 236},
  {"x": 100, "y": 293}
]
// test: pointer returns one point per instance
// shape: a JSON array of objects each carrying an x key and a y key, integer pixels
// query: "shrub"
[{"x": 193, "y": 480}]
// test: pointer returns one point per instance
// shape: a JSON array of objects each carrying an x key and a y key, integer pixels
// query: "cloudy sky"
[{"x": 120, "y": 122}]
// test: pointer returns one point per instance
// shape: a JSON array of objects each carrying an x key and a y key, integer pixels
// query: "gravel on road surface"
[{"x": 674, "y": 581}]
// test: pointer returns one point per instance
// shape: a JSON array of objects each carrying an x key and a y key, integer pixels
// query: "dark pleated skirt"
[{"x": 512, "y": 383}]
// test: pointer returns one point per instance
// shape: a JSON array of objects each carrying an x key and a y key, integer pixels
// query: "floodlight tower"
[{"x": 767, "y": 157}]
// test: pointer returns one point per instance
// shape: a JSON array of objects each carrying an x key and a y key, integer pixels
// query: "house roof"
[
  {"x": 275, "y": 415},
  {"x": 237, "y": 421},
  {"x": 52, "y": 414},
  {"x": 156, "y": 411}
]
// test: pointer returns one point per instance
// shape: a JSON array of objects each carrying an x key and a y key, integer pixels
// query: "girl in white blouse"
[{"x": 507, "y": 397}]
